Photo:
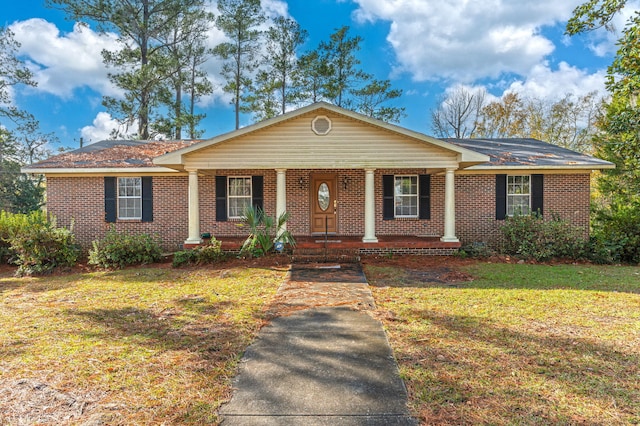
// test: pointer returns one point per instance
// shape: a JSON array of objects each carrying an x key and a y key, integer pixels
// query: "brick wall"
[
  {"x": 568, "y": 196},
  {"x": 565, "y": 195},
  {"x": 476, "y": 208},
  {"x": 421, "y": 227},
  {"x": 81, "y": 199}
]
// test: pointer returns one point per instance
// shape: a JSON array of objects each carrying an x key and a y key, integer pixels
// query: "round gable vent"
[{"x": 321, "y": 125}]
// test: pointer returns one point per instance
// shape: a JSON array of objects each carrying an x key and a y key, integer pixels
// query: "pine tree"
[
  {"x": 239, "y": 20},
  {"x": 142, "y": 67}
]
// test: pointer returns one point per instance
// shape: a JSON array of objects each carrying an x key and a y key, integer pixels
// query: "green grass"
[
  {"x": 139, "y": 346},
  {"x": 518, "y": 345}
]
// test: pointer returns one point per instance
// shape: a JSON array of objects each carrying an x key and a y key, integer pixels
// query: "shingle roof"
[
  {"x": 502, "y": 153},
  {"x": 113, "y": 153},
  {"x": 520, "y": 152}
]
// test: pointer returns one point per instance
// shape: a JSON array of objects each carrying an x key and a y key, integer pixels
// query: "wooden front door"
[{"x": 324, "y": 203}]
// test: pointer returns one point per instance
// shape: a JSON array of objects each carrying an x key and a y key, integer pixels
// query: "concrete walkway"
[{"x": 324, "y": 361}]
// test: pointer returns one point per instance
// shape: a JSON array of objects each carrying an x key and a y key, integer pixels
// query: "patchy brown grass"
[
  {"x": 477, "y": 342},
  {"x": 516, "y": 344},
  {"x": 140, "y": 346}
]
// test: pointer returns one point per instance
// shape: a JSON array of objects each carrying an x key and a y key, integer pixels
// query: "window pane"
[
  {"x": 130, "y": 198},
  {"x": 323, "y": 196},
  {"x": 239, "y": 187},
  {"x": 130, "y": 208},
  {"x": 237, "y": 206},
  {"x": 233, "y": 207},
  {"x": 406, "y": 185},
  {"x": 518, "y": 195},
  {"x": 239, "y": 197},
  {"x": 406, "y": 196}
]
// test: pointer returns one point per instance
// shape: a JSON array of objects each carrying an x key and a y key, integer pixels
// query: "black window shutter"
[
  {"x": 388, "y": 205},
  {"x": 424, "y": 205},
  {"x": 110, "y": 204},
  {"x": 257, "y": 184},
  {"x": 221, "y": 198},
  {"x": 147, "y": 199},
  {"x": 537, "y": 193},
  {"x": 501, "y": 197}
]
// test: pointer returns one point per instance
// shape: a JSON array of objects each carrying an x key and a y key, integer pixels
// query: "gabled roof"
[
  {"x": 465, "y": 156},
  {"x": 518, "y": 153},
  {"x": 128, "y": 156}
]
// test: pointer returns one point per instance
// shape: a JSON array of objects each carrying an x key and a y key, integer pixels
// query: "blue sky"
[{"x": 426, "y": 48}]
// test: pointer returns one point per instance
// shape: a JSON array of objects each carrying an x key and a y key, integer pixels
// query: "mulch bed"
[{"x": 424, "y": 270}]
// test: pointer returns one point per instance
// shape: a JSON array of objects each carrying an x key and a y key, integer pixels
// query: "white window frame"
[
  {"x": 236, "y": 197},
  {"x": 396, "y": 195},
  {"x": 135, "y": 194},
  {"x": 516, "y": 185}
]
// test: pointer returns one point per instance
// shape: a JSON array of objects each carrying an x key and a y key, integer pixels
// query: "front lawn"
[
  {"x": 519, "y": 344},
  {"x": 139, "y": 346}
]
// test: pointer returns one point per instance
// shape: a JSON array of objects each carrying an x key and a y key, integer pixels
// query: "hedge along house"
[{"x": 359, "y": 182}]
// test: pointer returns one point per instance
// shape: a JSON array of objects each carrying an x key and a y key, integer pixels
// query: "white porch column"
[
  {"x": 194, "y": 209},
  {"x": 281, "y": 193},
  {"x": 369, "y": 207},
  {"x": 449, "y": 207}
]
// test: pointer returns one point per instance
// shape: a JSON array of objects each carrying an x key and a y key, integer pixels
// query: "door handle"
[{"x": 335, "y": 206}]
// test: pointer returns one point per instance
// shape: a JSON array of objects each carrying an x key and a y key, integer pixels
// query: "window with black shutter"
[
  {"x": 128, "y": 198},
  {"x": 519, "y": 194},
  {"x": 235, "y": 193},
  {"x": 406, "y": 196}
]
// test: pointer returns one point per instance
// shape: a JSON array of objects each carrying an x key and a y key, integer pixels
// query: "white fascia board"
[
  {"x": 533, "y": 167},
  {"x": 98, "y": 171}
]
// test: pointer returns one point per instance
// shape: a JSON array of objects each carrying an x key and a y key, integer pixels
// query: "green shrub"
[
  {"x": 616, "y": 233},
  {"x": 184, "y": 257},
  {"x": 117, "y": 250},
  {"x": 532, "y": 237},
  {"x": 35, "y": 244},
  {"x": 11, "y": 225},
  {"x": 6, "y": 254},
  {"x": 479, "y": 250},
  {"x": 209, "y": 253},
  {"x": 264, "y": 232},
  {"x": 5, "y": 247}
]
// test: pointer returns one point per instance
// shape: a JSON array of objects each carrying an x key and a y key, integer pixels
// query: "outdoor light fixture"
[
  {"x": 345, "y": 181},
  {"x": 301, "y": 182}
]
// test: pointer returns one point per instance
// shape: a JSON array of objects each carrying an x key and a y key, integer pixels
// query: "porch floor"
[{"x": 386, "y": 242}]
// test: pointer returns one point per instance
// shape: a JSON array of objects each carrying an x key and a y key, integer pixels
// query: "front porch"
[
  {"x": 352, "y": 176},
  {"x": 355, "y": 246},
  {"x": 357, "y": 205}
]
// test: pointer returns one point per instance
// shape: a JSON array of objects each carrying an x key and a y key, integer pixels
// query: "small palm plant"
[{"x": 264, "y": 232}]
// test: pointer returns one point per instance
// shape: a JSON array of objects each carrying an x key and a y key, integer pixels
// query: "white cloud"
[
  {"x": 62, "y": 63},
  {"x": 465, "y": 40},
  {"x": 275, "y": 8},
  {"x": 102, "y": 127},
  {"x": 545, "y": 83},
  {"x": 542, "y": 83}
]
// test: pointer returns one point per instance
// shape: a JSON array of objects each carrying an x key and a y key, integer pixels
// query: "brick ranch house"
[{"x": 356, "y": 181}]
